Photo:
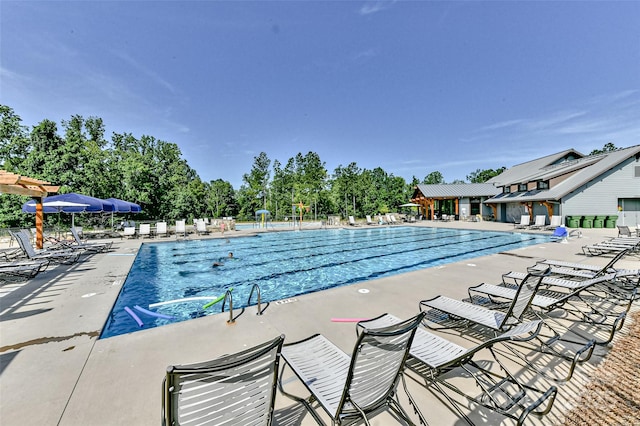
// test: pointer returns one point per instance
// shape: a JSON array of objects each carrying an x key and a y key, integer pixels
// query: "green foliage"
[
  {"x": 608, "y": 147},
  {"x": 154, "y": 174},
  {"x": 433, "y": 178},
  {"x": 481, "y": 176}
]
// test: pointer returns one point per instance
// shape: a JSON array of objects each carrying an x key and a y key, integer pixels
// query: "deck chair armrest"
[{"x": 550, "y": 395}]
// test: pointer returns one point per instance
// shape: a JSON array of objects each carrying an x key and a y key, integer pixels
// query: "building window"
[
  {"x": 543, "y": 185},
  {"x": 522, "y": 187},
  {"x": 506, "y": 189}
]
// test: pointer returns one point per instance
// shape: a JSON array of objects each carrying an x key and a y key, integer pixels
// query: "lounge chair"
[
  {"x": 432, "y": 357},
  {"x": 95, "y": 247},
  {"x": 369, "y": 221},
  {"x": 161, "y": 229},
  {"x": 145, "y": 230},
  {"x": 181, "y": 228},
  {"x": 353, "y": 387},
  {"x": 554, "y": 222},
  {"x": 466, "y": 312},
  {"x": 237, "y": 389},
  {"x": 583, "y": 300},
  {"x": 609, "y": 247},
  {"x": 352, "y": 221},
  {"x": 57, "y": 256},
  {"x": 129, "y": 232},
  {"x": 525, "y": 220},
  {"x": 22, "y": 269},
  {"x": 540, "y": 222},
  {"x": 201, "y": 227},
  {"x": 624, "y": 231},
  {"x": 393, "y": 219}
]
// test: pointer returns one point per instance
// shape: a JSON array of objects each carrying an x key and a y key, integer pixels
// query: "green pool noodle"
[{"x": 214, "y": 301}]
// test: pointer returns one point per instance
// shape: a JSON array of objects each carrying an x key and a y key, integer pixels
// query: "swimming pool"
[{"x": 284, "y": 264}]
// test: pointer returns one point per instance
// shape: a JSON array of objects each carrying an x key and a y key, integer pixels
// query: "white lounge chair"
[
  {"x": 554, "y": 222},
  {"x": 369, "y": 221},
  {"x": 129, "y": 232},
  {"x": 161, "y": 229},
  {"x": 432, "y": 357},
  {"x": 145, "y": 230},
  {"x": 352, "y": 221},
  {"x": 181, "y": 228},
  {"x": 353, "y": 387},
  {"x": 495, "y": 320},
  {"x": 525, "y": 220},
  {"x": 540, "y": 222},
  {"x": 236, "y": 389},
  {"x": 201, "y": 227}
]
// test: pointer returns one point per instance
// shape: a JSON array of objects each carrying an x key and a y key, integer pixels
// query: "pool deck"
[{"x": 54, "y": 370}]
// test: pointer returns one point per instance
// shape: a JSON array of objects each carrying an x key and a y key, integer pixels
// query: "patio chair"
[
  {"x": 369, "y": 221},
  {"x": 624, "y": 231},
  {"x": 57, "y": 256},
  {"x": 145, "y": 230},
  {"x": 352, "y": 221},
  {"x": 356, "y": 387},
  {"x": 95, "y": 247},
  {"x": 201, "y": 227},
  {"x": 161, "y": 229},
  {"x": 525, "y": 220},
  {"x": 539, "y": 223},
  {"x": 129, "y": 232},
  {"x": 432, "y": 357},
  {"x": 554, "y": 222},
  {"x": 237, "y": 389},
  {"x": 22, "y": 269},
  {"x": 495, "y": 320},
  {"x": 578, "y": 299},
  {"x": 181, "y": 228}
]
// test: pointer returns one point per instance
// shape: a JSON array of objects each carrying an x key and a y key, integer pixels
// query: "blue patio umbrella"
[
  {"x": 122, "y": 206},
  {"x": 83, "y": 203}
]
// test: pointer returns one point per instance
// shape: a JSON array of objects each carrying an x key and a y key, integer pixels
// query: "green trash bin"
[
  {"x": 598, "y": 222},
  {"x": 587, "y": 221},
  {"x": 610, "y": 222},
  {"x": 573, "y": 221}
]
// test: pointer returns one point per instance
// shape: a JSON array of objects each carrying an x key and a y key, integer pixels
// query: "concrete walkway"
[{"x": 54, "y": 370}]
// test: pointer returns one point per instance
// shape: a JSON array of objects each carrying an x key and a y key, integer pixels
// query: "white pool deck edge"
[{"x": 54, "y": 370}]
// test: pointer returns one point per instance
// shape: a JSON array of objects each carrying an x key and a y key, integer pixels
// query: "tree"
[
  {"x": 481, "y": 176},
  {"x": 433, "y": 178},
  {"x": 608, "y": 147},
  {"x": 254, "y": 191},
  {"x": 221, "y": 199}
]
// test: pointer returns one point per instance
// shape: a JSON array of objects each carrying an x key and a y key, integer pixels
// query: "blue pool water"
[{"x": 285, "y": 264}]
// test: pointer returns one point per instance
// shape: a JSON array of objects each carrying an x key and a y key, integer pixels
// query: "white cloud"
[{"x": 375, "y": 7}]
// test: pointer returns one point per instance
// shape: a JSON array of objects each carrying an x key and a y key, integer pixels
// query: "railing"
[
  {"x": 256, "y": 288},
  {"x": 228, "y": 295}
]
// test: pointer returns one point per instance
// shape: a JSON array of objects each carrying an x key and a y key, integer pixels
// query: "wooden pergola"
[{"x": 11, "y": 183}]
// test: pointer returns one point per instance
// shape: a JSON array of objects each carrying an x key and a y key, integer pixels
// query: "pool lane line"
[
  {"x": 374, "y": 244},
  {"x": 325, "y": 253},
  {"x": 297, "y": 241},
  {"x": 334, "y": 264}
]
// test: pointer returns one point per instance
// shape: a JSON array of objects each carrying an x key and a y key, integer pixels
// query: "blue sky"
[{"x": 409, "y": 86}]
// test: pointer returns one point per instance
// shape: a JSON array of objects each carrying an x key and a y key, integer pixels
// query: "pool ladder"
[{"x": 229, "y": 296}]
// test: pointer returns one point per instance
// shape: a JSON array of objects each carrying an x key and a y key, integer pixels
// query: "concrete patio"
[{"x": 54, "y": 370}]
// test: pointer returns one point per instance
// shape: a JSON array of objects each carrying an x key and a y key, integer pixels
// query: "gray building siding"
[{"x": 600, "y": 195}]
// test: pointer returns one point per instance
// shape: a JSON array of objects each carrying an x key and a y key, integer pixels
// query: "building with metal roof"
[
  {"x": 460, "y": 200},
  {"x": 570, "y": 184}
]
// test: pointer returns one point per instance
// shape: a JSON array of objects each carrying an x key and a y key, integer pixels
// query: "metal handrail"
[
  {"x": 229, "y": 296},
  {"x": 256, "y": 287}
]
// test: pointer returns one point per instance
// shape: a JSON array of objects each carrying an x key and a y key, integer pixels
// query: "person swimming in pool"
[{"x": 220, "y": 261}]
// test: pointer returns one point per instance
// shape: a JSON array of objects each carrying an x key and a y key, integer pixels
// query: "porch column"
[{"x": 39, "y": 223}]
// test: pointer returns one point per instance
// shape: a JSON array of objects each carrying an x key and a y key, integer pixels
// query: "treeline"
[{"x": 153, "y": 173}]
